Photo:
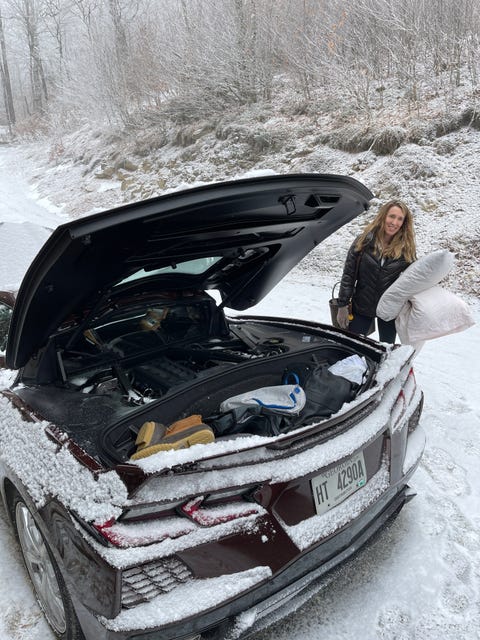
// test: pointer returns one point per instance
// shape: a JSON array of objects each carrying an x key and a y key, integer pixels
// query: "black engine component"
[{"x": 157, "y": 377}]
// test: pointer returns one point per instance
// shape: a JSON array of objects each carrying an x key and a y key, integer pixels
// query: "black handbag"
[{"x": 333, "y": 304}]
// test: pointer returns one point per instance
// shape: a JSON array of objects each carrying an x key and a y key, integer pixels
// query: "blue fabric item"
[{"x": 290, "y": 374}]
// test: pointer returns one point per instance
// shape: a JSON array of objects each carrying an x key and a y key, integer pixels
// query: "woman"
[{"x": 374, "y": 261}]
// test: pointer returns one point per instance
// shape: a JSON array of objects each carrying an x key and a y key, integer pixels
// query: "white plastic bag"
[
  {"x": 288, "y": 399},
  {"x": 352, "y": 368}
]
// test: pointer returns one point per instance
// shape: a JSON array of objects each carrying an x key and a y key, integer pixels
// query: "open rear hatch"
[
  {"x": 251, "y": 233},
  {"x": 114, "y": 326}
]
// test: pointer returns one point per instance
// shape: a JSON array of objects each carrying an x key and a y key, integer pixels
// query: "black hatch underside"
[{"x": 259, "y": 228}]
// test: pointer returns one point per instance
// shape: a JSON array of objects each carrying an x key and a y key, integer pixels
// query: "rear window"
[{"x": 189, "y": 267}]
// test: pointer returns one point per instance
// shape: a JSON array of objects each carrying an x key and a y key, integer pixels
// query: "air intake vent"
[{"x": 141, "y": 584}]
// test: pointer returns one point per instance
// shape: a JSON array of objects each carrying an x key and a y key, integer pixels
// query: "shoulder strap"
[{"x": 357, "y": 266}]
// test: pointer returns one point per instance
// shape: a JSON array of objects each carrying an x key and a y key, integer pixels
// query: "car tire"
[{"x": 48, "y": 584}]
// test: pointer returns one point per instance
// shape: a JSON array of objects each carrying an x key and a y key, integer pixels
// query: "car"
[{"x": 174, "y": 467}]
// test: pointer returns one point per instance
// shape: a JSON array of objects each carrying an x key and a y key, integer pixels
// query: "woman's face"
[{"x": 393, "y": 221}]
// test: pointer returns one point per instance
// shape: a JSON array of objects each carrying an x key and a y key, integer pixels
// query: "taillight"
[
  {"x": 403, "y": 399},
  {"x": 140, "y": 534},
  {"x": 146, "y": 524},
  {"x": 141, "y": 512},
  {"x": 206, "y": 516}
]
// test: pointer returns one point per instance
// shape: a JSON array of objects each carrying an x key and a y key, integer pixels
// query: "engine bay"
[
  {"x": 164, "y": 361},
  {"x": 144, "y": 354}
]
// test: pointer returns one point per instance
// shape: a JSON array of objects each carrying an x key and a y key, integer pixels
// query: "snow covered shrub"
[
  {"x": 148, "y": 140},
  {"x": 185, "y": 136},
  {"x": 194, "y": 105},
  {"x": 409, "y": 163},
  {"x": 299, "y": 107},
  {"x": 232, "y": 130},
  {"x": 263, "y": 141},
  {"x": 470, "y": 117},
  {"x": 386, "y": 187},
  {"x": 388, "y": 139},
  {"x": 56, "y": 152},
  {"x": 33, "y": 127},
  {"x": 260, "y": 139},
  {"x": 354, "y": 138},
  {"x": 322, "y": 160},
  {"x": 351, "y": 138},
  {"x": 447, "y": 124},
  {"x": 421, "y": 132},
  {"x": 444, "y": 146}
]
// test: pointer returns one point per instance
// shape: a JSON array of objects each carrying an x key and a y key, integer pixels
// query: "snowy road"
[
  {"x": 20, "y": 617},
  {"x": 24, "y": 223},
  {"x": 420, "y": 579},
  {"x": 17, "y": 198}
]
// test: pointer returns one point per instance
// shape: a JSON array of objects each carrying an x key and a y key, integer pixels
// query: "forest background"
[
  {"x": 120, "y": 100},
  {"x": 363, "y": 72}
]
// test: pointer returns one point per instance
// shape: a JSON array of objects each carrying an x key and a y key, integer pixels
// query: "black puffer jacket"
[{"x": 373, "y": 278}]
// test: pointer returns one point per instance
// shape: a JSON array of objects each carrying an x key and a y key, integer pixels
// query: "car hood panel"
[{"x": 259, "y": 228}]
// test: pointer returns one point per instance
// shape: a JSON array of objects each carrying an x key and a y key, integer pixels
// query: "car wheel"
[{"x": 48, "y": 583}]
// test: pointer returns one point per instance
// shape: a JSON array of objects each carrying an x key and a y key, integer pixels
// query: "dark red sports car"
[{"x": 172, "y": 472}]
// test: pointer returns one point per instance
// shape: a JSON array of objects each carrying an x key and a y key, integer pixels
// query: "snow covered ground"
[{"x": 420, "y": 580}]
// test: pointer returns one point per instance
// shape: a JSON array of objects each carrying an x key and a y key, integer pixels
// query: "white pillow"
[
  {"x": 420, "y": 275},
  {"x": 431, "y": 314}
]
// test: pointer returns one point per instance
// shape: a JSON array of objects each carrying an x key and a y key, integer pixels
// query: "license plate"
[{"x": 336, "y": 484}]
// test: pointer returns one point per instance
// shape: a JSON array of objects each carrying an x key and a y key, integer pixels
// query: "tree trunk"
[
  {"x": 37, "y": 75},
  {"x": 5, "y": 75},
  {"x": 120, "y": 36}
]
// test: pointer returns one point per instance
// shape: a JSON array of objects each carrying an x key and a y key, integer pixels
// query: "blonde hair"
[{"x": 402, "y": 243}]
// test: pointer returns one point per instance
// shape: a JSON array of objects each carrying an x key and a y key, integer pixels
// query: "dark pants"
[{"x": 386, "y": 330}]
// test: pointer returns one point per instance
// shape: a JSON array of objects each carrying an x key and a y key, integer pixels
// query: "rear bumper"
[
  {"x": 296, "y": 593},
  {"x": 296, "y": 582}
]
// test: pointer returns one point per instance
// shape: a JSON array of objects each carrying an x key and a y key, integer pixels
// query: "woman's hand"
[{"x": 342, "y": 317}]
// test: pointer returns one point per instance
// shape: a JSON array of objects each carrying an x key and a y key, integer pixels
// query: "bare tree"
[
  {"x": 86, "y": 10},
  {"x": 5, "y": 76},
  {"x": 55, "y": 15},
  {"x": 188, "y": 59},
  {"x": 27, "y": 14},
  {"x": 117, "y": 10}
]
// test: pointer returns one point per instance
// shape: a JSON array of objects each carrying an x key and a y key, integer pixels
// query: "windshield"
[{"x": 189, "y": 267}]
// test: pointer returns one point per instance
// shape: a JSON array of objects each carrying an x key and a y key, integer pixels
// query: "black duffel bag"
[{"x": 325, "y": 393}]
